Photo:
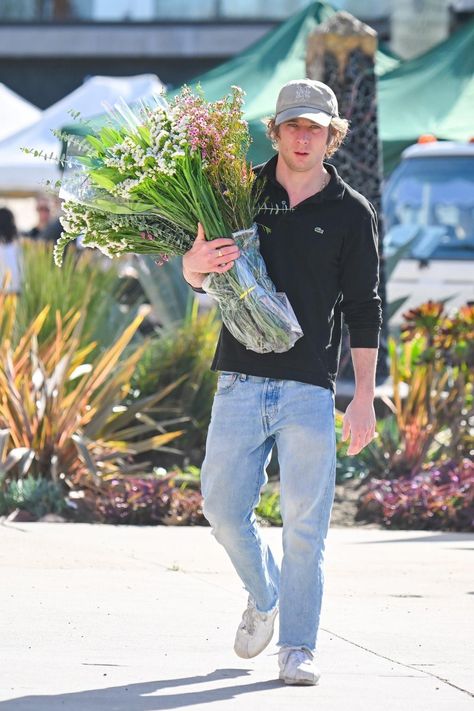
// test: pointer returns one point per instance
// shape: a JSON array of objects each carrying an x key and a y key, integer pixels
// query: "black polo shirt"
[{"x": 323, "y": 254}]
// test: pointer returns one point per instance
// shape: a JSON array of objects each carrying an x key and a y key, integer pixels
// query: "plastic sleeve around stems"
[{"x": 258, "y": 316}]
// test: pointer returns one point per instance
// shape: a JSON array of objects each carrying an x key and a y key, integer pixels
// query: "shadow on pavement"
[{"x": 137, "y": 697}]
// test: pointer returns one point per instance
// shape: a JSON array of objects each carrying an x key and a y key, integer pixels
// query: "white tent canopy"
[
  {"x": 23, "y": 173},
  {"x": 15, "y": 112}
]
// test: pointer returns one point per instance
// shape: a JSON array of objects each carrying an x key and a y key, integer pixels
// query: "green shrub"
[
  {"x": 431, "y": 420},
  {"x": 85, "y": 282},
  {"x": 269, "y": 505},
  {"x": 63, "y": 411},
  {"x": 37, "y": 495},
  {"x": 183, "y": 352}
]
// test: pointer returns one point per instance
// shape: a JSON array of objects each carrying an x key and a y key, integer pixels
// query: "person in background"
[
  {"x": 43, "y": 208},
  {"x": 9, "y": 253}
]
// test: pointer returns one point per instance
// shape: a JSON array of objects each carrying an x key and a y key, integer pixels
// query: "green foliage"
[
  {"x": 432, "y": 371},
  {"x": 183, "y": 352},
  {"x": 165, "y": 289},
  {"x": 435, "y": 361},
  {"x": 83, "y": 283},
  {"x": 269, "y": 505},
  {"x": 175, "y": 161},
  {"x": 63, "y": 410},
  {"x": 37, "y": 495}
]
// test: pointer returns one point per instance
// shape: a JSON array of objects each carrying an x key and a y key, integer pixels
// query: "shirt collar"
[{"x": 334, "y": 190}]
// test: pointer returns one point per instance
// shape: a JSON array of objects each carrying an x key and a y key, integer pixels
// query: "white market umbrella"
[
  {"x": 23, "y": 173},
  {"x": 15, "y": 112}
]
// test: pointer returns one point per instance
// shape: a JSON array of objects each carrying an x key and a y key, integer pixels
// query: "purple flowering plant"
[{"x": 440, "y": 497}]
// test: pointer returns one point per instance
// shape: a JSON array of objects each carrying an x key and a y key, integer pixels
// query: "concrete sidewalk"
[{"x": 104, "y": 618}]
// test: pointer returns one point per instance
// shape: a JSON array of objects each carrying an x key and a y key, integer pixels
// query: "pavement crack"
[{"x": 402, "y": 664}]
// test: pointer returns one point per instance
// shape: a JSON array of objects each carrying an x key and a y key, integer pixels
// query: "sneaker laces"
[
  {"x": 302, "y": 654},
  {"x": 249, "y": 618}
]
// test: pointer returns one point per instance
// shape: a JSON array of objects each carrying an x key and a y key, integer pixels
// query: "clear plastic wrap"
[{"x": 258, "y": 316}]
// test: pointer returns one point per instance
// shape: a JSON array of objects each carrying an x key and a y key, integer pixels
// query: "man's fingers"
[
  {"x": 355, "y": 444},
  {"x": 200, "y": 234},
  {"x": 370, "y": 435},
  {"x": 360, "y": 424},
  {"x": 222, "y": 242},
  {"x": 359, "y": 441},
  {"x": 228, "y": 253},
  {"x": 354, "y": 448},
  {"x": 223, "y": 258},
  {"x": 345, "y": 429},
  {"x": 225, "y": 268}
]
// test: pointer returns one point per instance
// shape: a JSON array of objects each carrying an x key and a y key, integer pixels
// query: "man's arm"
[
  {"x": 362, "y": 310},
  {"x": 359, "y": 418}
]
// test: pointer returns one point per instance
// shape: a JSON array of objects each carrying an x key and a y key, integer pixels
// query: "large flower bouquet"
[{"x": 143, "y": 182}]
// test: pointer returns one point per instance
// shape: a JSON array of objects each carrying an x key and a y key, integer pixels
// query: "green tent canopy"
[
  {"x": 433, "y": 93},
  {"x": 268, "y": 64},
  {"x": 261, "y": 70}
]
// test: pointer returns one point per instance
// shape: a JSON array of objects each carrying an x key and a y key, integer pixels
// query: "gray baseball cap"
[{"x": 306, "y": 98}]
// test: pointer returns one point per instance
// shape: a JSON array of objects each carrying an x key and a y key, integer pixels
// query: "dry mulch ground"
[{"x": 345, "y": 506}]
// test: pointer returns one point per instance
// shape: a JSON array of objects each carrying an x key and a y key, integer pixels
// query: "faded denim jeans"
[{"x": 249, "y": 415}]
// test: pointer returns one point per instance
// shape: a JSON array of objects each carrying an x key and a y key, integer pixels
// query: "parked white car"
[{"x": 428, "y": 205}]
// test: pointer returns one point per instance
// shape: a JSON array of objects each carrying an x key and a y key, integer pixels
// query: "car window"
[{"x": 434, "y": 192}]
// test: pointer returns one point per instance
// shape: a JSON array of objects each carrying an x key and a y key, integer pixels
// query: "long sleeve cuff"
[
  {"x": 195, "y": 288},
  {"x": 364, "y": 337}
]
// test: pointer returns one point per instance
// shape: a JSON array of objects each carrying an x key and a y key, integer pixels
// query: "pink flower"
[{"x": 162, "y": 259}]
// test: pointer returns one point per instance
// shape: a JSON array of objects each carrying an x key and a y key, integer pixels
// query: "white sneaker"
[
  {"x": 255, "y": 631},
  {"x": 297, "y": 666}
]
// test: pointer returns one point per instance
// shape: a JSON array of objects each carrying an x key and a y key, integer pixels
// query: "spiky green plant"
[
  {"x": 86, "y": 282},
  {"x": 64, "y": 405},
  {"x": 431, "y": 408},
  {"x": 183, "y": 352}
]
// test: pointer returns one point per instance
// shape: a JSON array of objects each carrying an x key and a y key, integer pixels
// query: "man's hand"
[
  {"x": 217, "y": 255},
  {"x": 359, "y": 422}
]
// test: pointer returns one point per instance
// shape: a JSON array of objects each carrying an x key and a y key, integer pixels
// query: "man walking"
[{"x": 321, "y": 250}]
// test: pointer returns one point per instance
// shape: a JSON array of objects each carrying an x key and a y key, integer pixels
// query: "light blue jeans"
[{"x": 249, "y": 415}]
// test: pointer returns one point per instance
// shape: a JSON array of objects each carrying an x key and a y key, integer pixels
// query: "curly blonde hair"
[{"x": 338, "y": 129}]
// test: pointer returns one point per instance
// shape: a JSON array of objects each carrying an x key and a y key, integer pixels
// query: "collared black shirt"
[{"x": 323, "y": 254}]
